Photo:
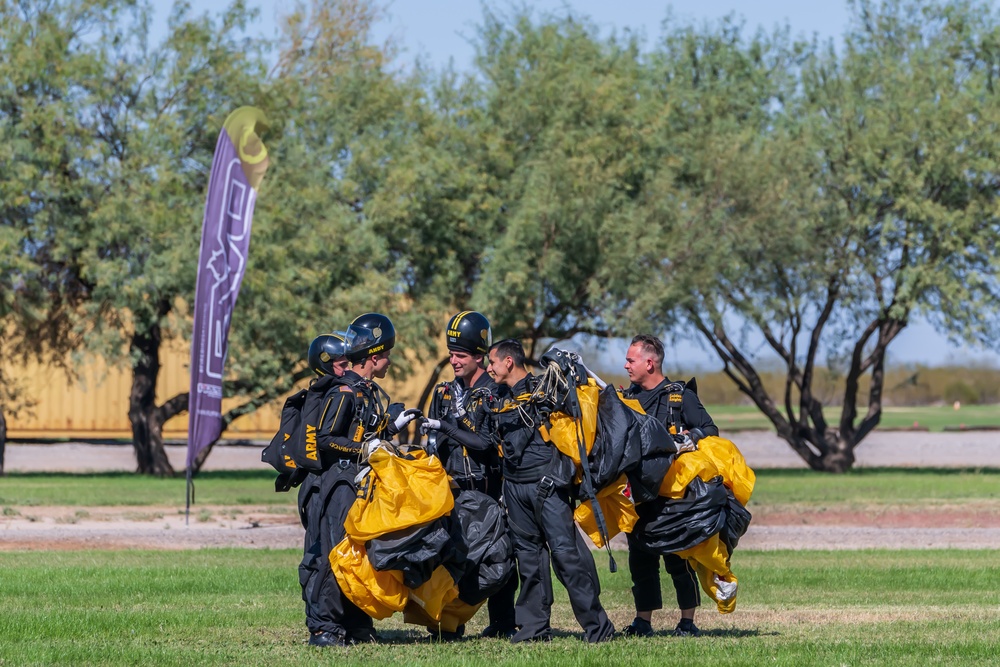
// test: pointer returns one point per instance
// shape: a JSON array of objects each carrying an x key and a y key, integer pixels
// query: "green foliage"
[
  {"x": 910, "y": 385},
  {"x": 961, "y": 392},
  {"x": 742, "y": 185},
  {"x": 560, "y": 141},
  {"x": 731, "y": 418}
]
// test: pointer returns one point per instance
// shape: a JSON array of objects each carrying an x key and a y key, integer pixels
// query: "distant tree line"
[
  {"x": 819, "y": 197},
  {"x": 905, "y": 385}
]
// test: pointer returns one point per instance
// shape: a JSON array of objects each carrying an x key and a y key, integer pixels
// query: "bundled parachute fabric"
[
  {"x": 436, "y": 605},
  {"x": 736, "y": 474},
  {"x": 400, "y": 491},
  {"x": 618, "y": 507},
  {"x": 563, "y": 427},
  {"x": 418, "y": 550},
  {"x": 428, "y": 601},
  {"x": 657, "y": 452},
  {"x": 411, "y": 546},
  {"x": 489, "y": 549},
  {"x": 378, "y": 594},
  {"x": 401, "y": 548},
  {"x": 711, "y": 563},
  {"x": 701, "y": 514},
  {"x": 668, "y": 525},
  {"x": 618, "y": 440},
  {"x": 603, "y": 444},
  {"x": 482, "y": 531}
]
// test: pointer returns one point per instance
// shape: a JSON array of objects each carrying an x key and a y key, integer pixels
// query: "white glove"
[
  {"x": 429, "y": 425},
  {"x": 403, "y": 419},
  {"x": 686, "y": 444}
]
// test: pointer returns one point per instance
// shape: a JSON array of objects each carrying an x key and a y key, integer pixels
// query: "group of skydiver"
[{"x": 498, "y": 452}]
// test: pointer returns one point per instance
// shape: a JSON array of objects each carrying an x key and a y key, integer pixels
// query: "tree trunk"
[
  {"x": 833, "y": 453},
  {"x": 146, "y": 419}
]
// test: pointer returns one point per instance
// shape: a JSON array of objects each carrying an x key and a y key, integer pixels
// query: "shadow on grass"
[
  {"x": 419, "y": 637},
  {"x": 729, "y": 633},
  {"x": 402, "y": 637}
]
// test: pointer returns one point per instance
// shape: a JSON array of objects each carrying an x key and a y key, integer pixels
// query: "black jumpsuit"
[
  {"x": 537, "y": 482},
  {"x": 467, "y": 451},
  {"x": 350, "y": 409},
  {"x": 644, "y": 566}
]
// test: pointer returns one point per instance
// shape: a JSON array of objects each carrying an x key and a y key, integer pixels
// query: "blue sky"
[{"x": 440, "y": 30}]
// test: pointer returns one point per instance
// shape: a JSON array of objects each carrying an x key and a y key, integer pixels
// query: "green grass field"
[
  {"x": 930, "y": 417},
  {"x": 242, "y": 607}
]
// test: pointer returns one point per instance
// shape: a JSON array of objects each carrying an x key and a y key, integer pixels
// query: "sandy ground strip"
[{"x": 965, "y": 527}]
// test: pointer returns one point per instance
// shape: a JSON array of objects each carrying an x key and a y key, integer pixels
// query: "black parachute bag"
[
  {"x": 275, "y": 453},
  {"x": 418, "y": 550},
  {"x": 293, "y": 450},
  {"x": 490, "y": 548},
  {"x": 669, "y": 525}
]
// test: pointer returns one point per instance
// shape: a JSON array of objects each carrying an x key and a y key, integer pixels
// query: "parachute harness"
[{"x": 556, "y": 391}]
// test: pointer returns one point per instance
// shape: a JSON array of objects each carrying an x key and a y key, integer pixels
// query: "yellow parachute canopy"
[
  {"x": 453, "y": 614},
  {"x": 429, "y": 599},
  {"x": 563, "y": 429},
  {"x": 387, "y": 500},
  {"x": 714, "y": 457},
  {"x": 378, "y": 594},
  {"x": 619, "y": 512},
  {"x": 711, "y": 562},
  {"x": 632, "y": 403}
]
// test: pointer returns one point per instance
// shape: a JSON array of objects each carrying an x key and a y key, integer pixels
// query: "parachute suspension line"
[
  {"x": 553, "y": 383},
  {"x": 379, "y": 410},
  {"x": 574, "y": 409}
]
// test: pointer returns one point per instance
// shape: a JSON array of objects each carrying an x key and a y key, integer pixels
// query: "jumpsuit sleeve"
[
  {"x": 461, "y": 433},
  {"x": 695, "y": 415}
]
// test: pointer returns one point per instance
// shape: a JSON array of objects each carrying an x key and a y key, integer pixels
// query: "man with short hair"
[
  {"x": 537, "y": 483},
  {"x": 459, "y": 433},
  {"x": 681, "y": 411}
]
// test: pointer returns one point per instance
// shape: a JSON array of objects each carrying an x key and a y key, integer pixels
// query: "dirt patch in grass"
[{"x": 977, "y": 515}]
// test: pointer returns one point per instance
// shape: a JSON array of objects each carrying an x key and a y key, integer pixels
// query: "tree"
[
  {"x": 558, "y": 141},
  {"x": 833, "y": 209},
  {"x": 46, "y": 57},
  {"x": 109, "y": 138}
]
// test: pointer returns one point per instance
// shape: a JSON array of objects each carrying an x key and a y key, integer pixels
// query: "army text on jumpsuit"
[{"x": 352, "y": 411}]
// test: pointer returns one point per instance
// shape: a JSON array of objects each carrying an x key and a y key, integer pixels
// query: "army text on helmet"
[{"x": 470, "y": 331}]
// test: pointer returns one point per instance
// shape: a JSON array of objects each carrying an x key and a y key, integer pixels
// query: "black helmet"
[
  {"x": 470, "y": 331},
  {"x": 325, "y": 349},
  {"x": 369, "y": 334}
]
